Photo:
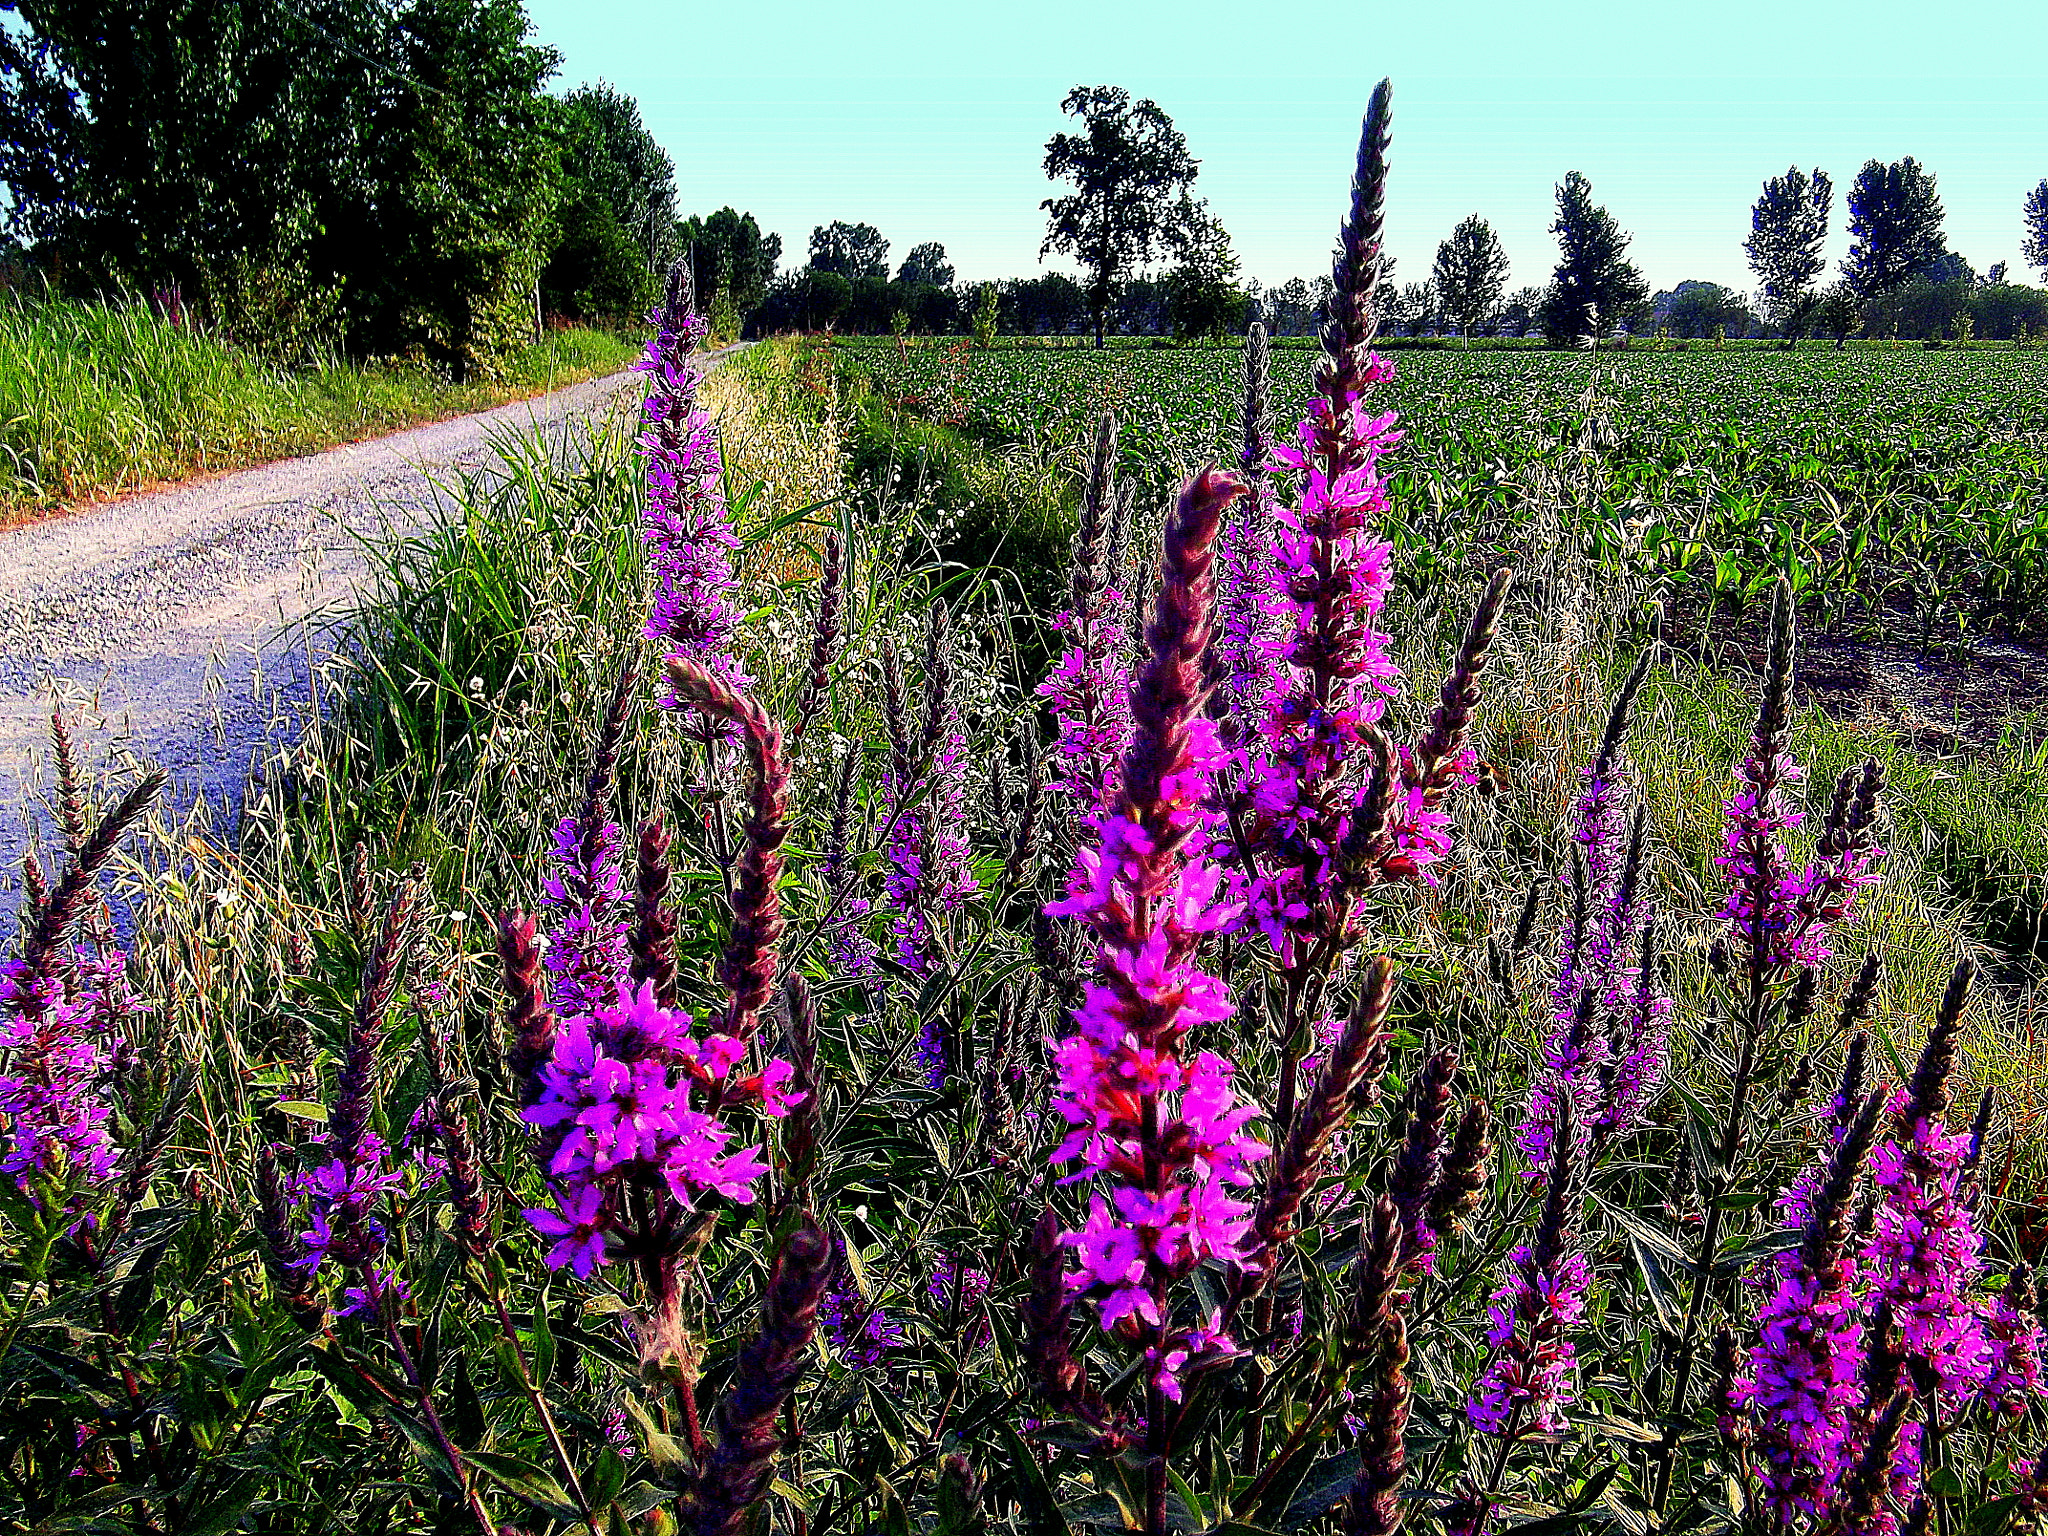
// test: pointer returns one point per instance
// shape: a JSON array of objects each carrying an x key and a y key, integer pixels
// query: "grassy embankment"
[{"x": 97, "y": 400}]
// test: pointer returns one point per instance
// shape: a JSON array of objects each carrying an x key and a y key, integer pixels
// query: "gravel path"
[{"x": 168, "y": 618}]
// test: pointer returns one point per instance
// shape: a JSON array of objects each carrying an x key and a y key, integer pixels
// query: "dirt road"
[{"x": 168, "y": 618}]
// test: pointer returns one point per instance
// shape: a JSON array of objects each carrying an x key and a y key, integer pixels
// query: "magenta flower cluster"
[
  {"x": 1809, "y": 1386},
  {"x": 686, "y": 522},
  {"x": 629, "y": 1095},
  {"x": 1527, "y": 1383},
  {"x": 338, "y": 1199},
  {"x": 586, "y": 951},
  {"x": 1088, "y": 691},
  {"x": 930, "y": 872},
  {"x": 1158, "y": 1128},
  {"x": 62, "y": 1035},
  {"x": 1783, "y": 914},
  {"x": 1309, "y": 767},
  {"x": 1604, "y": 1058}
]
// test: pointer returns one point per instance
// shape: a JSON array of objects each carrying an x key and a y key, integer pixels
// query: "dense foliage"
[{"x": 384, "y": 177}]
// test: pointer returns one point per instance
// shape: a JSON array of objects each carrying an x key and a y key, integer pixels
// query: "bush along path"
[{"x": 176, "y": 616}]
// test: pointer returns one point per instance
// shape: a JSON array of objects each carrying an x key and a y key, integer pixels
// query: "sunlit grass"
[{"x": 98, "y": 399}]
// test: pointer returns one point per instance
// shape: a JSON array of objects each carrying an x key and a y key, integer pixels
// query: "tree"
[
  {"x": 926, "y": 263},
  {"x": 1697, "y": 309},
  {"x": 465, "y": 161},
  {"x": 1787, "y": 228},
  {"x": 1595, "y": 287},
  {"x": 1470, "y": 274},
  {"x": 2034, "y": 213},
  {"x": 1895, "y": 215},
  {"x": 616, "y": 224},
  {"x": 1520, "y": 311},
  {"x": 851, "y": 250},
  {"x": 1130, "y": 170},
  {"x": 1838, "y": 314},
  {"x": 1202, "y": 296},
  {"x": 336, "y": 170},
  {"x": 729, "y": 254},
  {"x": 203, "y": 145}
]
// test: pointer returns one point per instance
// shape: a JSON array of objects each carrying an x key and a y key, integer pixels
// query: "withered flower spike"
[
  {"x": 718, "y": 1499},
  {"x": 1373, "y": 1507},
  {"x": 746, "y": 968}
]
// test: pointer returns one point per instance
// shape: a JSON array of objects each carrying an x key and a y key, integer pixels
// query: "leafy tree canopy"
[
  {"x": 1470, "y": 274},
  {"x": 1895, "y": 216},
  {"x": 2034, "y": 213},
  {"x": 851, "y": 250},
  {"x": 926, "y": 263},
  {"x": 1787, "y": 228},
  {"x": 1131, "y": 171},
  {"x": 1596, "y": 286}
]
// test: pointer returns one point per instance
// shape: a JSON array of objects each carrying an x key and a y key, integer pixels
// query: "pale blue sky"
[{"x": 929, "y": 121}]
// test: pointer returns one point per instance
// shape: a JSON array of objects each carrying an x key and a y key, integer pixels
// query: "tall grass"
[{"x": 97, "y": 399}]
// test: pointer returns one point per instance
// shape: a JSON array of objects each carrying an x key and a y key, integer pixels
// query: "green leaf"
[
  {"x": 1327, "y": 1481},
  {"x": 302, "y": 1109},
  {"x": 527, "y": 1481},
  {"x": 1042, "y": 1513}
]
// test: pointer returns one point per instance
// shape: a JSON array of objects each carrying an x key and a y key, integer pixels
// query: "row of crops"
[{"x": 1888, "y": 485}]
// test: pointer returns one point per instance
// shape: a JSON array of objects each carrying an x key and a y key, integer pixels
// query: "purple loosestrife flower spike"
[
  {"x": 716, "y": 1502},
  {"x": 529, "y": 1022},
  {"x": 800, "y": 1127},
  {"x": 70, "y": 798},
  {"x": 1924, "y": 1253},
  {"x": 1373, "y": 1507},
  {"x": 285, "y": 1259},
  {"x": 1088, "y": 686},
  {"x": 1528, "y": 1383},
  {"x": 824, "y": 633},
  {"x": 1438, "y": 756},
  {"x": 587, "y": 945},
  {"x": 1801, "y": 1385},
  {"x": 851, "y": 951},
  {"x": 383, "y": 970},
  {"x": 1369, "y": 1310},
  {"x": 746, "y": 968},
  {"x": 1780, "y": 915},
  {"x": 1353, "y": 317},
  {"x": 1861, "y": 999},
  {"x": 1842, "y": 1108},
  {"x": 859, "y": 1331},
  {"x": 1418, "y": 1168},
  {"x": 654, "y": 926},
  {"x": 686, "y": 522},
  {"x": 29, "y": 975},
  {"x": 1462, "y": 1185},
  {"x": 1162, "y": 1135},
  {"x": 1047, "y": 1312}
]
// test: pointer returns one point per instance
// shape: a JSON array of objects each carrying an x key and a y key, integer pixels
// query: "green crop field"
[{"x": 1883, "y": 482}]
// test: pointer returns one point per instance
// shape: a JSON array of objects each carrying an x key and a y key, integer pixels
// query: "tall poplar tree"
[
  {"x": 1595, "y": 286},
  {"x": 1895, "y": 215},
  {"x": 1787, "y": 228},
  {"x": 1471, "y": 274}
]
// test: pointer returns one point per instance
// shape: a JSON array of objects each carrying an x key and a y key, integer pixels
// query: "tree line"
[
  {"x": 392, "y": 178},
  {"x": 1130, "y": 206}
]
